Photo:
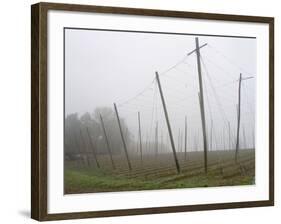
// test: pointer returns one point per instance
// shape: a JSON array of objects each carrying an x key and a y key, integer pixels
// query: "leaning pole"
[{"x": 168, "y": 123}]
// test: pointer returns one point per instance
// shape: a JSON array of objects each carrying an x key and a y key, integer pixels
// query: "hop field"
[{"x": 159, "y": 172}]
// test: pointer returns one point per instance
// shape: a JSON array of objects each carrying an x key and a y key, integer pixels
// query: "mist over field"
[{"x": 103, "y": 68}]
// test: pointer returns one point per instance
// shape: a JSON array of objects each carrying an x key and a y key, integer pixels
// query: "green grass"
[{"x": 90, "y": 179}]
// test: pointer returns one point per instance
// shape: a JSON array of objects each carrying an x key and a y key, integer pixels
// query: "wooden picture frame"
[{"x": 39, "y": 110}]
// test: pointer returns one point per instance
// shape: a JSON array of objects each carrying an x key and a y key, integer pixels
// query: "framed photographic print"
[{"x": 141, "y": 111}]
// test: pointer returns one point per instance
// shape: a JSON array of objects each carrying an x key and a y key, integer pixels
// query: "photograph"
[
  {"x": 145, "y": 111},
  {"x": 153, "y": 110}
]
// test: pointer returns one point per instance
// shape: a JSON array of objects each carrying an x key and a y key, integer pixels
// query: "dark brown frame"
[{"x": 39, "y": 110}]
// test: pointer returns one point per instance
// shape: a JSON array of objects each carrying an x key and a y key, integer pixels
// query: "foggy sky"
[{"x": 103, "y": 67}]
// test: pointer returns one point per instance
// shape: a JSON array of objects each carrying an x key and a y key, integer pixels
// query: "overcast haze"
[{"x": 103, "y": 67}]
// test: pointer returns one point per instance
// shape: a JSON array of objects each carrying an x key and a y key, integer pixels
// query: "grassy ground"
[{"x": 160, "y": 173}]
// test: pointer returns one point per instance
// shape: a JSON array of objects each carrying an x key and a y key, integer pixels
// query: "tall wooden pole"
[
  {"x": 238, "y": 119},
  {"x": 122, "y": 137},
  {"x": 201, "y": 97},
  {"x": 140, "y": 136},
  {"x": 185, "y": 138},
  {"x": 107, "y": 142},
  {"x": 137, "y": 145},
  {"x": 181, "y": 139},
  {"x": 168, "y": 123},
  {"x": 204, "y": 136},
  {"x": 93, "y": 148},
  {"x": 156, "y": 139},
  {"x": 147, "y": 144}
]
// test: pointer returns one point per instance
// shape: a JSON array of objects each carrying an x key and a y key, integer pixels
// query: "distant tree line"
[{"x": 84, "y": 133}]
